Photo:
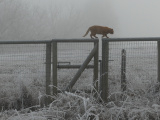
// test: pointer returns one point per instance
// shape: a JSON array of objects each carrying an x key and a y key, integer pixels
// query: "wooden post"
[
  {"x": 48, "y": 72},
  {"x": 54, "y": 67},
  {"x": 104, "y": 80},
  {"x": 123, "y": 70},
  {"x": 95, "y": 76},
  {"x": 81, "y": 69},
  {"x": 158, "y": 57}
]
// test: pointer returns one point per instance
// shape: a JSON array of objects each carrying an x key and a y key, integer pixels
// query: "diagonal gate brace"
[{"x": 82, "y": 68}]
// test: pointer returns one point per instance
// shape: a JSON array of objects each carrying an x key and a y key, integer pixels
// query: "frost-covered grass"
[
  {"x": 22, "y": 73},
  {"x": 136, "y": 103},
  {"x": 139, "y": 102},
  {"x": 130, "y": 105}
]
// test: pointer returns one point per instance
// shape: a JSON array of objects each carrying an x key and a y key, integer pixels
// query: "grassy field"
[
  {"x": 22, "y": 78},
  {"x": 22, "y": 71}
]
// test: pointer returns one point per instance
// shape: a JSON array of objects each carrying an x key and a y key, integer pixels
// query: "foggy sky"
[
  {"x": 129, "y": 18},
  {"x": 137, "y": 18},
  {"x": 39, "y": 19}
]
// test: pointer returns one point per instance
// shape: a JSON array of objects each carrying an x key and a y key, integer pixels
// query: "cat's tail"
[{"x": 87, "y": 32}]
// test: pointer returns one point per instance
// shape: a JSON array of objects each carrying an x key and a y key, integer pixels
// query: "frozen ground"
[
  {"x": 20, "y": 68},
  {"x": 24, "y": 66}
]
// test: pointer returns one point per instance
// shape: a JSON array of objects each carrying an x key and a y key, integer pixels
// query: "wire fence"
[
  {"x": 74, "y": 53},
  {"x": 141, "y": 64},
  {"x": 22, "y": 74},
  {"x": 26, "y": 69}
]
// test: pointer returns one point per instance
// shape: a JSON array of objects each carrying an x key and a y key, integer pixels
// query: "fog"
[{"x": 49, "y": 19}]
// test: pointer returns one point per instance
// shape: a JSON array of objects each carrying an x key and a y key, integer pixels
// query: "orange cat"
[{"x": 99, "y": 30}]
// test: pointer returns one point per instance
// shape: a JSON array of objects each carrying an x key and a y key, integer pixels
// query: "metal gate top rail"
[
  {"x": 46, "y": 41},
  {"x": 131, "y": 39},
  {"x": 75, "y": 40}
]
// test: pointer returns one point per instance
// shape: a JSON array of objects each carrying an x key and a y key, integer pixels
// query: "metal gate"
[{"x": 53, "y": 49}]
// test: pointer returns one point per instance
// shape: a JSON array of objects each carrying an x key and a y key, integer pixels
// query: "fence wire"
[
  {"x": 22, "y": 74},
  {"x": 22, "y": 68},
  {"x": 141, "y": 64},
  {"x": 74, "y": 53}
]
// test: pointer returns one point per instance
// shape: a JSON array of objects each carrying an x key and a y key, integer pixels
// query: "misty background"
[{"x": 49, "y": 19}]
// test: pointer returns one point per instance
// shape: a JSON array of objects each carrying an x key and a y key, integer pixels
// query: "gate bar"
[
  {"x": 54, "y": 67},
  {"x": 73, "y": 66},
  {"x": 48, "y": 72},
  {"x": 75, "y": 40},
  {"x": 95, "y": 76}
]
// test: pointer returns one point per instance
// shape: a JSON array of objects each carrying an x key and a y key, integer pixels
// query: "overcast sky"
[
  {"x": 131, "y": 18},
  {"x": 128, "y": 18},
  {"x": 137, "y": 18}
]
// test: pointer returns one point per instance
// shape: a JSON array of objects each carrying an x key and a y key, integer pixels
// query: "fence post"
[
  {"x": 123, "y": 70},
  {"x": 54, "y": 67},
  {"x": 48, "y": 72},
  {"x": 104, "y": 80},
  {"x": 95, "y": 79},
  {"x": 158, "y": 57}
]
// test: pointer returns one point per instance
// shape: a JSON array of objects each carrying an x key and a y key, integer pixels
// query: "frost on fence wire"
[
  {"x": 74, "y": 53},
  {"x": 22, "y": 71},
  {"x": 141, "y": 64}
]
